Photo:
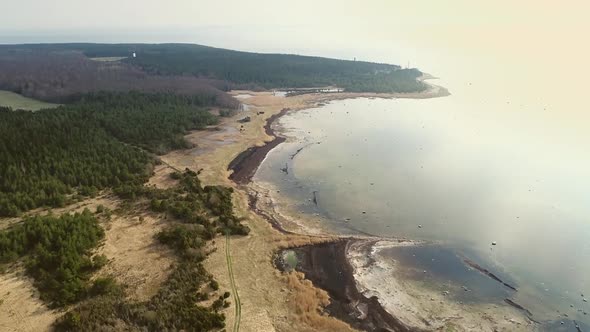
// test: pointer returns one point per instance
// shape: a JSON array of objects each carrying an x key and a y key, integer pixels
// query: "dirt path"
[{"x": 234, "y": 289}]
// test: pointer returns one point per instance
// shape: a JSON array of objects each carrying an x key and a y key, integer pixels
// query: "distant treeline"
[
  {"x": 249, "y": 70},
  {"x": 60, "y": 74},
  {"x": 97, "y": 142}
]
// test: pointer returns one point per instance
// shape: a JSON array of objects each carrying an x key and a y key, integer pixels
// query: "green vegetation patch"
[
  {"x": 58, "y": 254},
  {"x": 155, "y": 122},
  {"x": 18, "y": 102},
  {"x": 290, "y": 259},
  {"x": 206, "y": 211},
  {"x": 99, "y": 142},
  {"x": 174, "y": 308}
]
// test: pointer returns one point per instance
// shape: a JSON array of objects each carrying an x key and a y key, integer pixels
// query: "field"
[
  {"x": 16, "y": 101},
  {"x": 109, "y": 58}
]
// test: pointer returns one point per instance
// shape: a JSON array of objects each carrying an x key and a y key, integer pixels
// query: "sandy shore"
[{"x": 421, "y": 307}]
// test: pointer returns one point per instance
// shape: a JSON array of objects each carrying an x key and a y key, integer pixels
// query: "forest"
[
  {"x": 163, "y": 66},
  {"x": 272, "y": 71},
  {"x": 60, "y": 75},
  {"x": 50, "y": 156},
  {"x": 108, "y": 140}
]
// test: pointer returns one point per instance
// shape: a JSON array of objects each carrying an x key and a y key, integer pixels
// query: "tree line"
[
  {"x": 162, "y": 66},
  {"x": 100, "y": 141},
  {"x": 271, "y": 71}
]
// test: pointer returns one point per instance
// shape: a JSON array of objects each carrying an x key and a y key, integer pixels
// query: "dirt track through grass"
[{"x": 236, "y": 296}]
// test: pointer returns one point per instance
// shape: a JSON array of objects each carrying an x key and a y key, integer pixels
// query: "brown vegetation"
[
  {"x": 59, "y": 76},
  {"x": 308, "y": 301}
]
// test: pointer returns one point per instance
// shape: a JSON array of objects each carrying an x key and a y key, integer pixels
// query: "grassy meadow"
[{"x": 16, "y": 101}]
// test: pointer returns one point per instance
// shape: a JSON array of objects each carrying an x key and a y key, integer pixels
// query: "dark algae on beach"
[
  {"x": 244, "y": 166},
  {"x": 327, "y": 266}
]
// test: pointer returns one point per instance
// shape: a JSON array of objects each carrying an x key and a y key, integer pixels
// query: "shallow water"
[{"x": 444, "y": 270}]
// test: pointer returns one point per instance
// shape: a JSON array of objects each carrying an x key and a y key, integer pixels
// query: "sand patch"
[
  {"x": 421, "y": 308},
  {"x": 20, "y": 307},
  {"x": 136, "y": 259},
  {"x": 161, "y": 178}
]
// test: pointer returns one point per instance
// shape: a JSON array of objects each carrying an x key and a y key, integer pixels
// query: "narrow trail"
[{"x": 236, "y": 296}]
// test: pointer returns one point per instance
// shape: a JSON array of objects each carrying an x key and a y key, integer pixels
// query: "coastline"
[
  {"x": 347, "y": 258},
  {"x": 333, "y": 270},
  {"x": 246, "y": 163}
]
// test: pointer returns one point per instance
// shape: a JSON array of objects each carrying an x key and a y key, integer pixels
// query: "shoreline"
[
  {"x": 327, "y": 265},
  {"x": 245, "y": 165},
  {"x": 349, "y": 305}
]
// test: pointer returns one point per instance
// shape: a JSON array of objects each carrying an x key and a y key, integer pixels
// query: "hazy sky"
[
  {"x": 141, "y": 14},
  {"x": 273, "y": 25}
]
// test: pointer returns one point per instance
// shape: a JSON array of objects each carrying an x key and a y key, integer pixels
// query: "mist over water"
[{"x": 503, "y": 159}]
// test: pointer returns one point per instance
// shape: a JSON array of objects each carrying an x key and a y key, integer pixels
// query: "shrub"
[
  {"x": 214, "y": 285},
  {"x": 106, "y": 285}
]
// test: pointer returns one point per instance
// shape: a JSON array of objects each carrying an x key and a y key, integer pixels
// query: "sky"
[{"x": 343, "y": 29}]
